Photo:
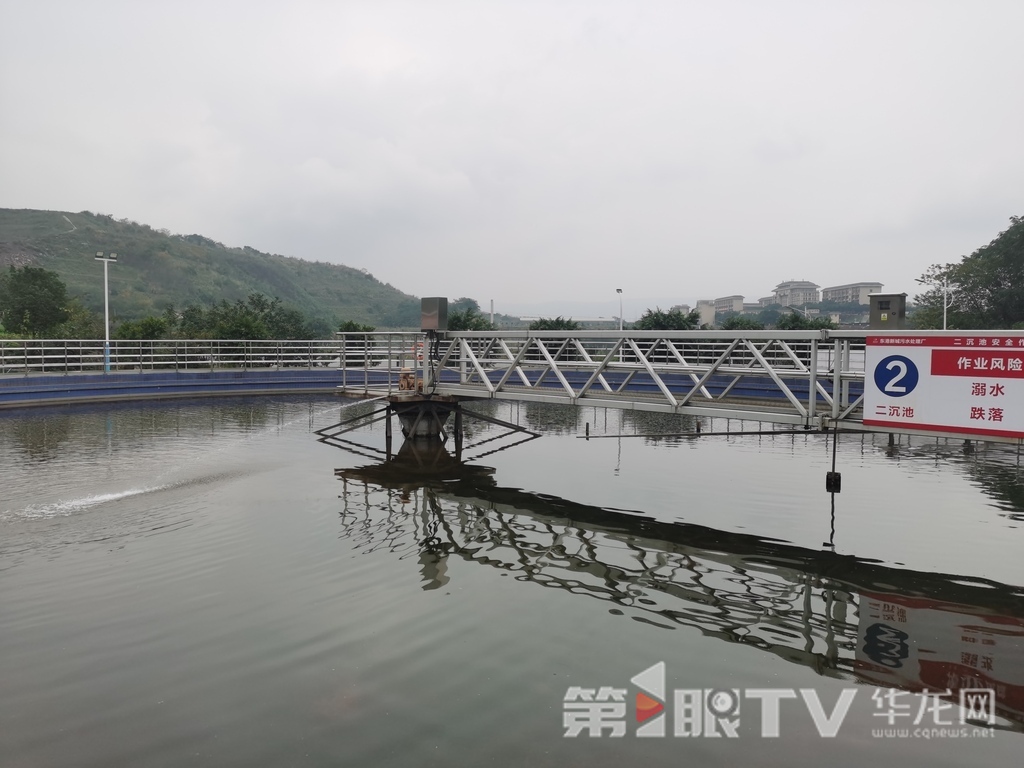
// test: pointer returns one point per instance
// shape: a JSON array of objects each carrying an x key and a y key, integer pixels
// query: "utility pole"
[
  {"x": 106, "y": 307},
  {"x": 947, "y": 299}
]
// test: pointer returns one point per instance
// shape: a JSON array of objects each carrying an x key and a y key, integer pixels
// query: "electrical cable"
[{"x": 433, "y": 357}]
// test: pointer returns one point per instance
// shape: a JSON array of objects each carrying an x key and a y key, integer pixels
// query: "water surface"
[{"x": 205, "y": 583}]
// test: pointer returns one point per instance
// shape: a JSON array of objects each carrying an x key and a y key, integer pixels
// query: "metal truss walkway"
[{"x": 812, "y": 379}]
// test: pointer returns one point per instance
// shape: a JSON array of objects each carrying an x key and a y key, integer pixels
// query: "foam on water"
[{"x": 66, "y": 507}]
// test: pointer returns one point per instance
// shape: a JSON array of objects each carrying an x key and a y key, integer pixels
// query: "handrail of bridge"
[
  {"x": 797, "y": 377},
  {"x": 363, "y": 351},
  {"x": 676, "y": 371},
  {"x": 808, "y": 378}
]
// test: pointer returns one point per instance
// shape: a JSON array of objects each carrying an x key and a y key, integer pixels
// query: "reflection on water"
[
  {"x": 198, "y": 582},
  {"x": 1004, "y": 484},
  {"x": 42, "y": 432},
  {"x": 417, "y": 462},
  {"x": 551, "y": 418},
  {"x": 995, "y": 469},
  {"x": 840, "y": 616},
  {"x": 41, "y": 439},
  {"x": 79, "y": 457},
  {"x": 657, "y": 428}
]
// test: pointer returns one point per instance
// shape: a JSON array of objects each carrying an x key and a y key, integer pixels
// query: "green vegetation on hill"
[
  {"x": 32, "y": 300},
  {"x": 156, "y": 269}
]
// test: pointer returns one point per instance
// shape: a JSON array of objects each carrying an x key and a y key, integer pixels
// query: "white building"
[
  {"x": 793, "y": 293},
  {"x": 852, "y": 293},
  {"x": 729, "y": 304},
  {"x": 706, "y": 307}
]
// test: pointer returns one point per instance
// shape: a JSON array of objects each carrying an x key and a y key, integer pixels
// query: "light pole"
[
  {"x": 947, "y": 300},
  {"x": 619, "y": 291},
  {"x": 106, "y": 307}
]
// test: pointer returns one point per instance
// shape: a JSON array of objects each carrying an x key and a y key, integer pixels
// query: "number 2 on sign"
[
  {"x": 896, "y": 376},
  {"x": 894, "y": 387}
]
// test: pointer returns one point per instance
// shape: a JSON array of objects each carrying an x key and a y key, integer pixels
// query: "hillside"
[{"x": 156, "y": 268}]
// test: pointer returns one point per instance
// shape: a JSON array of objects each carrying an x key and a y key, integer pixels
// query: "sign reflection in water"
[{"x": 841, "y": 616}]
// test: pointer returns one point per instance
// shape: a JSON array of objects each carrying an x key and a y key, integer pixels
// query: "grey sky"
[{"x": 533, "y": 153}]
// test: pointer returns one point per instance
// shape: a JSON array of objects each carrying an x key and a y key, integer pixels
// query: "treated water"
[{"x": 203, "y": 583}]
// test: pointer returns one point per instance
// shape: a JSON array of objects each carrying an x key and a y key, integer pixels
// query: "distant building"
[
  {"x": 796, "y": 292},
  {"x": 751, "y": 308},
  {"x": 706, "y": 307},
  {"x": 852, "y": 293},
  {"x": 729, "y": 304},
  {"x": 766, "y": 301}
]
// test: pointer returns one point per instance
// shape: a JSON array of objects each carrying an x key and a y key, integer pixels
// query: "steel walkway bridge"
[
  {"x": 810, "y": 379},
  {"x": 804, "y": 379}
]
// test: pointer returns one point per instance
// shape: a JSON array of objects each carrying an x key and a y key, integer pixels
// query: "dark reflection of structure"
[
  {"x": 419, "y": 462},
  {"x": 40, "y": 439},
  {"x": 43, "y": 433},
  {"x": 839, "y": 615},
  {"x": 997, "y": 469},
  {"x": 668, "y": 428},
  {"x": 552, "y": 418},
  {"x": 1004, "y": 484}
]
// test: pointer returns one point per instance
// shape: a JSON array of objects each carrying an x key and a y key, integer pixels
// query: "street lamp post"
[
  {"x": 619, "y": 291},
  {"x": 106, "y": 307},
  {"x": 947, "y": 300}
]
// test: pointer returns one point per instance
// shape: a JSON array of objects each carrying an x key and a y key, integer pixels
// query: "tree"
[
  {"x": 147, "y": 328},
  {"x": 468, "y": 319},
  {"x": 742, "y": 323},
  {"x": 192, "y": 323},
  {"x": 286, "y": 323},
  {"x": 554, "y": 324},
  {"x": 769, "y": 316},
  {"x": 351, "y": 326},
  {"x": 987, "y": 287},
  {"x": 794, "y": 321},
  {"x": 81, "y": 323},
  {"x": 673, "y": 320},
  {"x": 461, "y": 304},
  {"x": 258, "y": 317},
  {"x": 32, "y": 300}
]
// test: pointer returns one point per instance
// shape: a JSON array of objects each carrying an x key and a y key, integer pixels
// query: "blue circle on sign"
[{"x": 896, "y": 376}]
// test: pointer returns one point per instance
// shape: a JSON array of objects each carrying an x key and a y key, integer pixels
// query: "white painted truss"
[{"x": 793, "y": 377}]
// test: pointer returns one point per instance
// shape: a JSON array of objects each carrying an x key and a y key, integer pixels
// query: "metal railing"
[
  {"x": 794, "y": 377},
  {"x": 364, "y": 351},
  {"x": 798, "y": 377}
]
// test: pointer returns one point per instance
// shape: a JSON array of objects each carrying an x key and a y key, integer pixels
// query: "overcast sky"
[{"x": 541, "y": 154}]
